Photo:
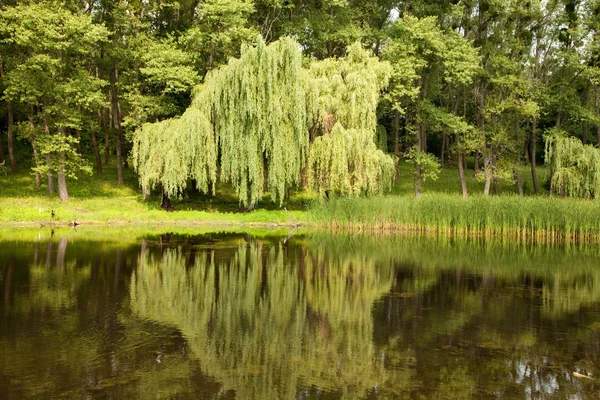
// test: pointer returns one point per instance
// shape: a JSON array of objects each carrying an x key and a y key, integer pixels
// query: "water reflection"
[{"x": 236, "y": 316}]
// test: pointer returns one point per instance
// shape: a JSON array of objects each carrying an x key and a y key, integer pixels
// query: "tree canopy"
[{"x": 325, "y": 97}]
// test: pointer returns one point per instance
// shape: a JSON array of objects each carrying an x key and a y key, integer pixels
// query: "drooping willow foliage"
[
  {"x": 254, "y": 116},
  {"x": 574, "y": 167},
  {"x": 254, "y": 109},
  {"x": 260, "y": 113},
  {"x": 345, "y": 159},
  {"x": 170, "y": 152}
]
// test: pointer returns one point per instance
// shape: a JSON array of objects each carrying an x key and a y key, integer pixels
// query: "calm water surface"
[{"x": 236, "y": 315}]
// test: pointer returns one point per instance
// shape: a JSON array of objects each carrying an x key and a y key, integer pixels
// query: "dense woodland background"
[{"x": 505, "y": 83}]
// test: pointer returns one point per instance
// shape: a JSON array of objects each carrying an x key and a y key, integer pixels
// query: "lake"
[{"x": 295, "y": 315}]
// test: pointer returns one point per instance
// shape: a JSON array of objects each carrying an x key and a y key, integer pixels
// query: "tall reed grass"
[{"x": 537, "y": 218}]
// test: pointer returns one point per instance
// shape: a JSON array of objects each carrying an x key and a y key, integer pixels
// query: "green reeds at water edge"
[{"x": 531, "y": 218}]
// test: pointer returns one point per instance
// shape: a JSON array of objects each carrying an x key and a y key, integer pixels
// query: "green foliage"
[
  {"x": 348, "y": 162},
  {"x": 59, "y": 154},
  {"x": 575, "y": 167},
  {"x": 260, "y": 119},
  {"x": 428, "y": 164},
  {"x": 345, "y": 158},
  {"x": 255, "y": 109}
]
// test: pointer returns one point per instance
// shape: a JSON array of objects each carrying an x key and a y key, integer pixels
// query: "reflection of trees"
[{"x": 264, "y": 325}]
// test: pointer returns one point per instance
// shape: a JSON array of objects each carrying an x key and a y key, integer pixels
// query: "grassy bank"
[
  {"x": 97, "y": 199},
  {"x": 540, "y": 218}
]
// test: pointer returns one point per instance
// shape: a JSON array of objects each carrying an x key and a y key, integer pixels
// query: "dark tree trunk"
[
  {"x": 536, "y": 187},
  {"x": 51, "y": 186},
  {"x": 397, "y": 133},
  {"x": 106, "y": 137},
  {"x": 116, "y": 121},
  {"x": 165, "y": 202},
  {"x": 2, "y": 159},
  {"x": 585, "y": 127},
  {"x": 36, "y": 156},
  {"x": 517, "y": 168},
  {"x": 10, "y": 138},
  {"x": 597, "y": 115},
  {"x": 96, "y": 150},
  {"x": 396, "y": 142},
  {"x": 444, "y": 138},
  {"x": 488, "y": 176}
]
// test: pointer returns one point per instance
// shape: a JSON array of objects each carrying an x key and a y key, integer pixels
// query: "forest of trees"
[{"x": 329, "y": 94}]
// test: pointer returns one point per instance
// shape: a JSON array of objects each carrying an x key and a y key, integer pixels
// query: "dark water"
[{"x": 223, "y": 316}]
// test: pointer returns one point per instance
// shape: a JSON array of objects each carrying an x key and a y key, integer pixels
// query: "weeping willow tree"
[
  {"x": 253, "y": 111},
  {"x": 345, "y": 159},
  {"x": 574, "y": 167},
  {"x": 260, "y": 118},
  {"x": 170, "y": 152},
  {"x": 266, "y": 325}
]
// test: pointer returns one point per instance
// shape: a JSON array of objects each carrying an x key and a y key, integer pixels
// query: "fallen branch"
[{"x": 298, "y": 223}]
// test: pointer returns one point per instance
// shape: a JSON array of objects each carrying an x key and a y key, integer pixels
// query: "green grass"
[
  {"x": 97, "y": 199},
  {"x": 540, "y": 218}
]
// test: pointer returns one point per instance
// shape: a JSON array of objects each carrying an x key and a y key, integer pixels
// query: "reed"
[{"x": 546, "y": 219}]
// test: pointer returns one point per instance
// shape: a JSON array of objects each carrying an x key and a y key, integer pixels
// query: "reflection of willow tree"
[{"x": 262, "y": 331}]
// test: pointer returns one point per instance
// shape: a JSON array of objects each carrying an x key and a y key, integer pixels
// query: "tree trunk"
[
  {"x": 536, "y": 187},
  {"x": 36, "y": 160},
  {"x": 106, "y": 137},
  {"x": 444, "y": 138},
  {"x": 63, "y": 193},
  {"x": 397, "y": 133},
  {"x": 461, "y": 172},
  {"x": 597, "y": 115},
  {"x": 36, "y": 156},
  {"x": 585, "y": 127},
  {"x": 488, "y": 175},
  {"x": 10, "y": 137},
  {"x": 517, "y": 168},
  {"x": 418, "y": 180},
  {"x": 95, "y": 146},
  {"x": 116, "y": 122},
  {"x": 518, "y": 181},
  {"x": 165, "y": 202},
  {"x": 486, "y": 187},
  {"x": 396, "y": 142},
  {"x": 51, "y": 187},
  {"x": 2, "y": 159},
  {"x": 418, "y": 170}
]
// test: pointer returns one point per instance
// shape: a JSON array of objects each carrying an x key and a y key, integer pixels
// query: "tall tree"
[{"x": 53, "y": 77}]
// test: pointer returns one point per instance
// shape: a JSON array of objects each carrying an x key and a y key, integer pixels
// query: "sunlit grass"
[{"x": 543, "y": 218}]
